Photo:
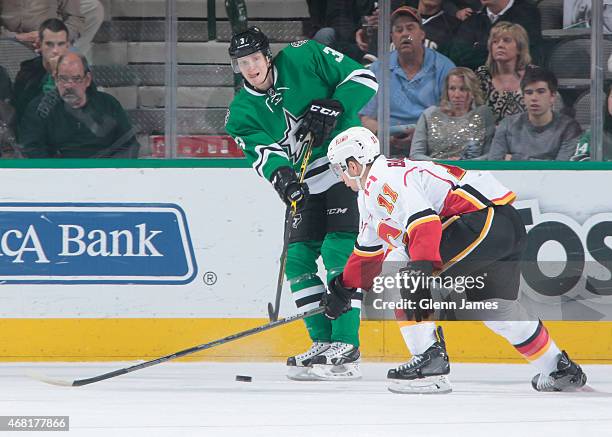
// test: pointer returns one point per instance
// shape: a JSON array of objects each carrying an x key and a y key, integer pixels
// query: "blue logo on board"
[{"x": 81, "y": 243}]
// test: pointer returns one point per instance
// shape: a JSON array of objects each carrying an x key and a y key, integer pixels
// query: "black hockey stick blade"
[
  {"x": 272, "y": 314},
  {"x": 274, "y": 309},
  {"x": 184, "y": 352}
]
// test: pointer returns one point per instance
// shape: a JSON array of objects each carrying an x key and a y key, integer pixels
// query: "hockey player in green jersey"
[{"x": 308, "y": 91}]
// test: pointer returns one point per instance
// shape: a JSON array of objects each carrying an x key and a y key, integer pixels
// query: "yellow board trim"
[{"x": 135, "y": 339}]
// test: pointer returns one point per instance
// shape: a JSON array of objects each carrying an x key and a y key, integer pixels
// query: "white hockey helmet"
[{"x": 358, "y": 143}]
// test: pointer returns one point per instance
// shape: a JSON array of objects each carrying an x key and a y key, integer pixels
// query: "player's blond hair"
[{"x": 519, "y": 35}]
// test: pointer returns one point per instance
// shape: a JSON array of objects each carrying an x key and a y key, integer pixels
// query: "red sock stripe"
[{"x": 536, "y": 344}]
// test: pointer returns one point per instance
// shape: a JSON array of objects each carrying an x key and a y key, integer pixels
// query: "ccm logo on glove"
[{"x": 325, "y": 111}]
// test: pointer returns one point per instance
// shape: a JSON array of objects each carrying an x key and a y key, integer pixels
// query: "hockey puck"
[{"x": 243, "y": 378}]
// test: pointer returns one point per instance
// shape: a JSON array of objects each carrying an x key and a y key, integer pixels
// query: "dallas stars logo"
[
  {"x": 275, "y": 96},
  {"x": 295, "y": 149}
]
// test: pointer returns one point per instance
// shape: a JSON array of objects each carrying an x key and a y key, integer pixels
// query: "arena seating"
[{"x": 129, "y": 56}]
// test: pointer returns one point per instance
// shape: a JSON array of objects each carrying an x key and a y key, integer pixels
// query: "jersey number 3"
[
  {"x": 337, "y": 55},
  {"x": 388, "y": 198}
]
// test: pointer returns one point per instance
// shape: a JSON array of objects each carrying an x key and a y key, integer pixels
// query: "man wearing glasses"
[{"x": 76, "y": 120}]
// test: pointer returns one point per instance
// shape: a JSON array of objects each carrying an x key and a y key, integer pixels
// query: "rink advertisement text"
[
  {"x": 582, "y": 260},
  {"x": 95, "y": 243}
]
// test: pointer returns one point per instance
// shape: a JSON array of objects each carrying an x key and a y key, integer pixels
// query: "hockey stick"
[
  {"x": 191, "y": 350},
  {"x": 273, "y": 310}
]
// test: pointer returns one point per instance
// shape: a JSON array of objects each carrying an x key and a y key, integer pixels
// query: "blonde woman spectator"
[
  {"x": 500, "y": 78},
  {"x": 462, "y": 127}
]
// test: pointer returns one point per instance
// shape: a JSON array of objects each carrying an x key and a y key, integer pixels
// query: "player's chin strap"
[
  {"x": 270, "y": 70},
  {"x": 357, "y": 178}
]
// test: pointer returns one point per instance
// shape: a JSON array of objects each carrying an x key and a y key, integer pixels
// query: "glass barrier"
[
  {"x": 498, "y": 117},
  {"x": 204, "y": 84},
  {"x": 167, "y": 65},
  {"x": 110, "y": 111}
]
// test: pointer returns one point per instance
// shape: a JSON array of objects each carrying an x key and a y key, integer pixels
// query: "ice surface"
[{"x": 203, "y": 399}]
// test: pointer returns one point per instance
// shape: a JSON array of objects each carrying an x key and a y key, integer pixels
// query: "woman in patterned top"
[
  {"x": 500, "y": 77},
  {"x": 462, "y": 127}
]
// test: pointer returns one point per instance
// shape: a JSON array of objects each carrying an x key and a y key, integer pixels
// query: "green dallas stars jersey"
[{"x": 264, "y": 124}]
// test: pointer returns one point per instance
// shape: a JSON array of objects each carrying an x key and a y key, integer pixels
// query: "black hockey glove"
[
  {"x": 337, "y": 299},
  {"x": 320, "y": 120},
  {"x": 286, "y": 184},
  {"x": 416, "y": 288}
]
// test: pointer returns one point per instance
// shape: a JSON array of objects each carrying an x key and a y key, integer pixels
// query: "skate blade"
[
  {"x": 301, "y": 373},
  {"x": 343, "y": 372},
  {"x": 430, "y": 385}
]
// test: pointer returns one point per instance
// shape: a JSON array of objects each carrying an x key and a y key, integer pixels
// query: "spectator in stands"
[
  {"x": 583, "y": 150},
  {"x": 93, "y": 16},
  {"x": 36, "y": 75},
  {"x": 438, "y": 23},
  {"x": 7, "y": 138},
  {"x": 335, "y": 23},
  {"x": 465, "y": 8},
  {"x": 417, "y": 77},
  {"x": 22, "y": 19},
  {"x": 539, "y": 133},
  {"x": 470, "y": 48},
  {"x": 6, "y": 89},
  {"x": 500, "y": 78},
  {"x": 462, "y": 127},
  {"x": 76, "y": 121}
]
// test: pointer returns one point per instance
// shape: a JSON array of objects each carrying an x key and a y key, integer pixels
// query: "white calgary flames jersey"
[{"x": 409, "y": 203}]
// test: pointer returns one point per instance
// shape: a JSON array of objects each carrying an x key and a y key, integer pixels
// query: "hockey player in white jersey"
[{"x": 439, "y": 221}]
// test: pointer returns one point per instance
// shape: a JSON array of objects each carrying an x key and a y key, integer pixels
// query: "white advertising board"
[{"x": 205, "y": 242}]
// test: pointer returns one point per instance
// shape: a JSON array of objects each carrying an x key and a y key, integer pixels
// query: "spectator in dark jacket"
[
  {"x": 35, "y": 76},
  {"x": 440, "y": 26},
  {"x": 7, "y": 112},
  {"x": 5, "y": 85},
  {"x": 335, "y": 23},
  {"x": 470, "y": 43},
  {"x": 76, "y": 121}
]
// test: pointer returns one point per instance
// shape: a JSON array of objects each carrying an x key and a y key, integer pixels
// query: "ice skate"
[
  {"x": 338, "y": 363},
  {"x": 423, "y": 373},
  {"x": 299, "y": 366},
  {"x": 568, "y": 377}
]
